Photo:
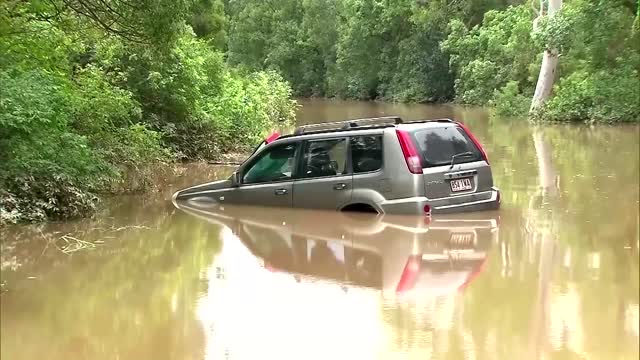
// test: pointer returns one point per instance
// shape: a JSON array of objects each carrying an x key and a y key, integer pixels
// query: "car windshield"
[{"x": 437, "y": 146}]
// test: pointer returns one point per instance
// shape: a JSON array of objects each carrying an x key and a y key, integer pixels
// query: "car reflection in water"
[{"x": 308, "y": 273}]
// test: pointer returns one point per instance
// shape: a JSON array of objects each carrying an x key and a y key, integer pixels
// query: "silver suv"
[{"x": 382, "y": 165}]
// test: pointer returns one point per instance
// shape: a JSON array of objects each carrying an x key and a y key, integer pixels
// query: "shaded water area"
[{"x": 552, "y": 275}]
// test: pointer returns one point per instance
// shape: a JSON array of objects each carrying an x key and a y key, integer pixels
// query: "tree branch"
[{"x": 110, "y": 24}]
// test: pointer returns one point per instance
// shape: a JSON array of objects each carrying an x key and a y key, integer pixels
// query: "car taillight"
[
  {"x": 409, "y": 274},
  {"x": 473, "y": 275},
  {"x": 475, "y": 141},
  {"x": 273, "y": 137},
  {"x": 410, "y": 153}
]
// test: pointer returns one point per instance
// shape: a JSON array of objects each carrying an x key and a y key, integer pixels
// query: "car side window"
[
  {"x": 366, "y": 153},
  {"x": 275, "y": 164},
  {"x": 324, "y": 158}
]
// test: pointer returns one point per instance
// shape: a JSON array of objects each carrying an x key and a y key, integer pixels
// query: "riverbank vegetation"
[
  {"x": 96, "y": 93},
  {"x": 478, "y": 52}
]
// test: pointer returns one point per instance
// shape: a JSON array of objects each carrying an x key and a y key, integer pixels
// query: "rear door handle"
[
  {"x": 281, "y": 191},
  {"x": 339, "y": 186}
]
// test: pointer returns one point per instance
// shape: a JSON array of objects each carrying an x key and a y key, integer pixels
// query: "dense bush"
[
  {"x": 86, "y": 110},
  {"x": 361, "y": 49},
  {"x": 497, "y": 62},
  {"x": 480, "y": 52},
  {"x": 606, "y": 96},
  {"x": 488, "y": 56},
  {"x": 36, "y": 130},
  {"x": 600, "y": 67},
  {"x": 509, "y": 101},
  {"x": 47, "y": 169}
]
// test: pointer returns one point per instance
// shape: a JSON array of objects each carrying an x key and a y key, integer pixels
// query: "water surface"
[{"x": 552, "y": 275}]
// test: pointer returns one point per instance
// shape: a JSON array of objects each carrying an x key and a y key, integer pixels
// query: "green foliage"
[
  {"x": 497, "y": 62},
  {"x": 237, "y": 118},
  {"x": 509, "y": 101},
  {"x": 555, "y": 32},
  {"x": 488, "y": 56},
  {"x": 39, "y": 197},
  {"x": 599, "y": 66},
  {"x": 96, "y": 96},
  {"x": 416, "y": 70},
  {"x": 390, "y": 51},
  {"x": 109, "y": 118},
  {"x": 359, "y": 49},
  {"x": 35, "y": 129},
  {"x": 253, "y": 106},
  {"x": 606, "y": 96},
  {"x": 200, "y": 106},
  {"x": 208, "y": 21},
  {"x": 63, "y": 140},
  {"x": 45, "y": 167},
  {"x": 293, "y": 37},
  {"x": 359, "y": 46},
  {"x": 94, "y": 91},
  {"x": 319, "y": 35}
]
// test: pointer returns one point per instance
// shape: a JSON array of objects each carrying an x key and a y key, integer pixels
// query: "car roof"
[
  {"x": 351, "y": 127},
  {"x": 335, "y": 133}
]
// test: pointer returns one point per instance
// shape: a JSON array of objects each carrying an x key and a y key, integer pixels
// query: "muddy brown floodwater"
[{"x": 552, "y": 275}]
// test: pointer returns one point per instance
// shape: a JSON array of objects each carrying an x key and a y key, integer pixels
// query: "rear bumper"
[{"x": 415, "y": 205}]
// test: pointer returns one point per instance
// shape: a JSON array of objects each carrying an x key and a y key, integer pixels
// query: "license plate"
[
  {"x": 458, "y": 254},
  {"x": 461, "y": 238},
  {"x": 461, "y": 184}
]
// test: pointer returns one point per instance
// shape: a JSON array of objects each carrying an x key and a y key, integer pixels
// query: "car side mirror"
[{"x": 235, "y": 179}]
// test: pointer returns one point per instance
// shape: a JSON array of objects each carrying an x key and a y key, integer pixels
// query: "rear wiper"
[{"x": 462, "y": 154}]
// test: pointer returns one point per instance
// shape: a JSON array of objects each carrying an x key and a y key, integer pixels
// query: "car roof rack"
[
  {"x": 349, "y": 124},
  {"x": 428, "y": 120}
]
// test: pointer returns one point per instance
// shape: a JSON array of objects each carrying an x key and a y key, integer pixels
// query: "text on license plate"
[
  {"x": 461, "y": 184},
  {"x": 461, "y": 238}
]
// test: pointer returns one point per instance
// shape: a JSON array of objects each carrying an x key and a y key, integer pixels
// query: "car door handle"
[
  {"x": 280, "y": 192},
  {"x": 339, "y": 186}
]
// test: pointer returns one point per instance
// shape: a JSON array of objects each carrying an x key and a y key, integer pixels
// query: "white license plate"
[
  {"x": 461, "y": 238},
  {"x": 458, "y": 254},
  {"x": 461, "y": 184}
]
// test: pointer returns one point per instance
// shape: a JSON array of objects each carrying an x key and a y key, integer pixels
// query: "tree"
[
  {"x": 549, "y": 60},
  {"x": 96, "y": 94},
  {"x": 208, "y": 21}
]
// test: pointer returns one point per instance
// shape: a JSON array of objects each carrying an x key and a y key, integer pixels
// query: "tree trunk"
[{"x": 548, "y": 68}]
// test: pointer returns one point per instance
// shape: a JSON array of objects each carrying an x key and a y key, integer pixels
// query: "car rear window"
[{"x": 438, "y": 145}]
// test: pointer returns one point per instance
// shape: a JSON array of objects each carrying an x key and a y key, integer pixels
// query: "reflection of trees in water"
[
  {"x": 567, "y": 263},
  {"x": 422, "y": 325}
]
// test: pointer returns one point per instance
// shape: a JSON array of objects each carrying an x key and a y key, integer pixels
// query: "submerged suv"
[{"x": 382, "y": 165}]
